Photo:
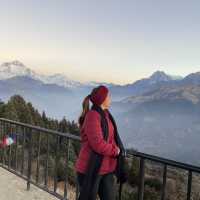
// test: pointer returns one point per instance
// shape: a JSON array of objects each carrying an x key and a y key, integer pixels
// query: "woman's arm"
[{"x": 92, "y": 128}]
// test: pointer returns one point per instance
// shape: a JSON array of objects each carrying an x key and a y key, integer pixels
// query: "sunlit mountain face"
[{"x": 17, "y": 68}]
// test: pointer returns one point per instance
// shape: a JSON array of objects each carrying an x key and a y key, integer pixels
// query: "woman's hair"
[{"x": 86, "y": 106}]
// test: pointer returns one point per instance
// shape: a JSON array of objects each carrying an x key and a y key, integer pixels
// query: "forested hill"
[{"x": 18, "y": 109}]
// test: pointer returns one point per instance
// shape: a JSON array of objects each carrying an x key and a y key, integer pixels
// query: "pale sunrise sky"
[{"x": 102, "y": 40}]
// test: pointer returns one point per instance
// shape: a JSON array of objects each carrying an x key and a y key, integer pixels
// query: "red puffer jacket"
[{"x": 92, "y": 138}]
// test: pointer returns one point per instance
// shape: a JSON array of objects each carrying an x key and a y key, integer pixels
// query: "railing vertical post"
[
  {"x": 77, "y": 189},
  {"x": 29, "y": 159},
  {"x": 38, "y": 158},
  {"x": 189, "y": 185},
  {"x": 4, "y": 133},
  {"x": 66, "y": 168},
  {"x": 9, "y": 148},
  {"x": 164, "y": 182},
  {"x": 56, "y": 163},
  {"x": 141, "y": 178},
  {"x": 47, "y": 163},
  {"x": 23, "y": 145},
  {"x": 16, "y": 146},
  {"x": 1, "y": 136}
]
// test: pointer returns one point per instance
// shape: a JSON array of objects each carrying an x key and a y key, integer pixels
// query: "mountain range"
[
  {"x": 158, "y": 114},
  {"x": 164, "y": 120},
  {"x": 45, "y": 91},
  {"x": 15, "y": 77},
  {"x": 17, "y": 68}
]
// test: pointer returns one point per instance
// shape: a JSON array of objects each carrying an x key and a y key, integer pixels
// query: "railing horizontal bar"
[
  {"x": 168, "y": 162},
  {"x": 47, "y": 190},
  {"x": 136, "y": 153},
  {"x": 68, "y": 135}
]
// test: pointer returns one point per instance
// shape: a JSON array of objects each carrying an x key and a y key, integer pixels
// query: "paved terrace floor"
[{"x": 13, "y": 187}]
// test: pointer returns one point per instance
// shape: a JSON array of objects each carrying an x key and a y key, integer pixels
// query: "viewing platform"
[{"x": 40, "y": 165}]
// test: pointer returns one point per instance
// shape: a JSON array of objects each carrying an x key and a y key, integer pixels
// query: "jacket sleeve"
[{"x": 94, "y": 134}]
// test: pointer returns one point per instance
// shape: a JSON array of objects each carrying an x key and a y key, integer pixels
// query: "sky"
[{"x": 102, "y": 40}]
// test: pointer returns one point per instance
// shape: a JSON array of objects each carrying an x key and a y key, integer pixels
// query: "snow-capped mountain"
[
  {"x": 143, "y": 85},
  {"x": 157, "y": 77},
  {"x": 16, "y": 68},
  {"x": 60, "y": 80},
  {"x": 161, "y": 76},
  {"x": 94, "y": 84}
]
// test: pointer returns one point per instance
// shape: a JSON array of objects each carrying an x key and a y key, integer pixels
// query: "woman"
[{"x": 92, "y": 140}]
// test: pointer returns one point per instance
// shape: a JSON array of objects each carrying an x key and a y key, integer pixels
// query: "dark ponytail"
[{"x": 86, "y": 108}]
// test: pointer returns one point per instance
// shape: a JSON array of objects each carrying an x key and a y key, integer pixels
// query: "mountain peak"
[
  {"x": 18, "y": 63},
  {"x": 15, "y": 63},
  {"x": 14, "y": 68},
  {"x": 193, "y": 78},
  {"x": 160, "y": 76},
  {"x": 195, "y": 74},
  {"x": 58, "y": 75}
]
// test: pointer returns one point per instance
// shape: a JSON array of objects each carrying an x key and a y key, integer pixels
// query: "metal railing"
[
  {"x": 165, "y": 163},
  {"x": 25, "y": 136},
  {"x": 34, "y": 142}
]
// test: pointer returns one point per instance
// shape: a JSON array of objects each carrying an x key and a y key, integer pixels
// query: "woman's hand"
[{"x": 118, "y": 150}]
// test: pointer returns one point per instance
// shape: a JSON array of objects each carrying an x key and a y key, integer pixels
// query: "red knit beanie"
[{"x": 99, "y": 95}]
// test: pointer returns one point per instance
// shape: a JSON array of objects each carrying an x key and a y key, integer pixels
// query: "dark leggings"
[{"x": 104, "y": 186}]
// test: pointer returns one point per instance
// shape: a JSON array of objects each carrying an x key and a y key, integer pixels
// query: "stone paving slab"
[{"x": 13, "y": 187}]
